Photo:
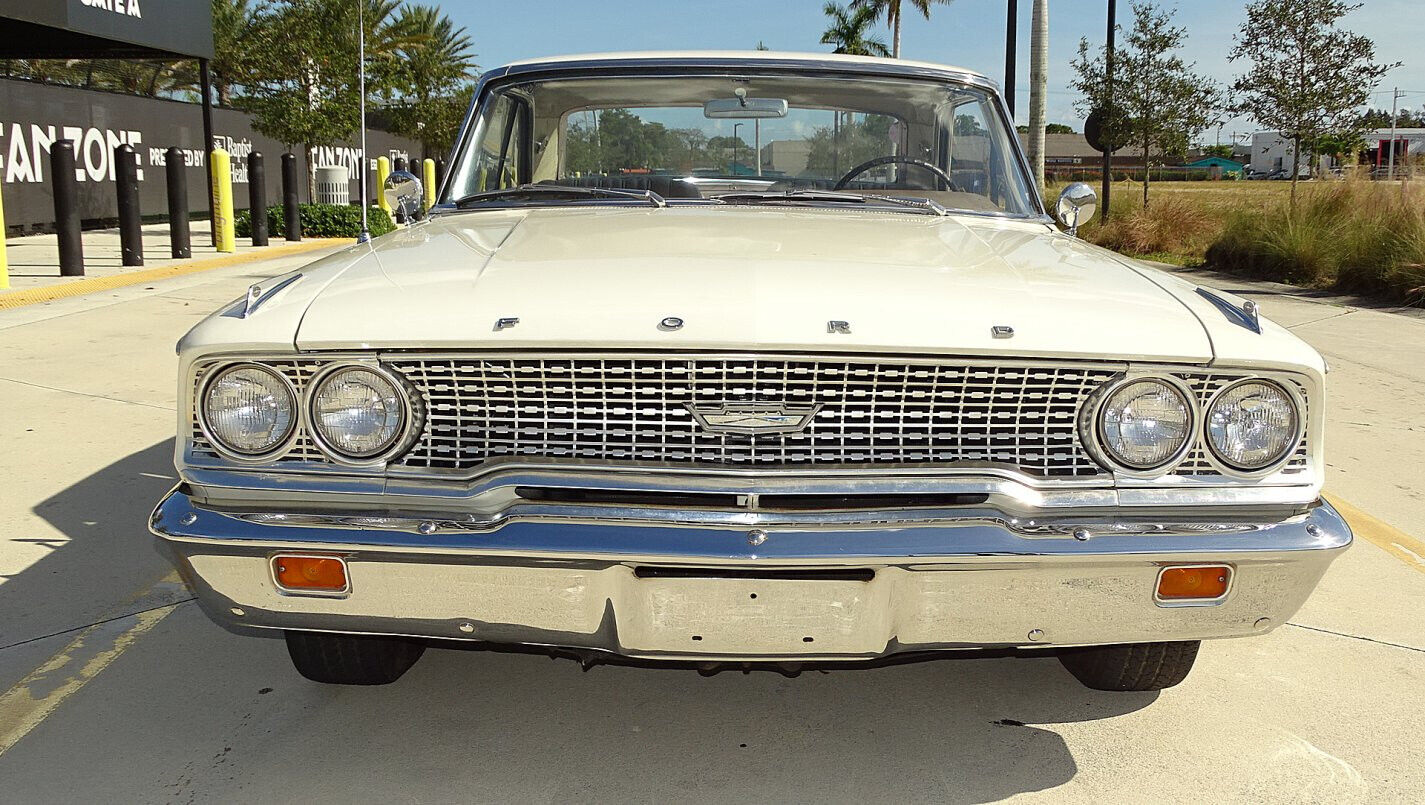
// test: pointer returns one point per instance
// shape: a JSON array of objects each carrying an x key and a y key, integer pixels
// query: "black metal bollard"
[
  {"x": 292, "y": 216},
  {"x": 179, "y": 243},
  {"x": 398, "y": 164},
  {"x": 257, "y": 198},
  {"x": 66, "y": 209},
  {"x": 439, "y": 171},
  {"x": 126, "y": 184}
]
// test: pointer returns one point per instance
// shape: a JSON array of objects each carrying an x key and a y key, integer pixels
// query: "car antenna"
[{"x": 361, "y": 83}]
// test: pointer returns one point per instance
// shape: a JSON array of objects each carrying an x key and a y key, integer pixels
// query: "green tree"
[
  {"x": 231, "y": 65},
  {"x": 1158, "y": 102},
  {"x": 1307, "y": 78},
  {"x": 892, "y": 11},
  {"x": 832, "y": 150},
  {"x": 1224, "y": 151},
  {"x": 430, "y": 83},
  {"x": 303, "y": 89},
  {"x": 849, "y": 31}
]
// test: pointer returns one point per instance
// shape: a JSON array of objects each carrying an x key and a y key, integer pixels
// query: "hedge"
[{"x": 318, "y": 221}]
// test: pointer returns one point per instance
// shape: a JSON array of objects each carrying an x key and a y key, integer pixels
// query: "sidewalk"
[{"x": 34, "y": 260}]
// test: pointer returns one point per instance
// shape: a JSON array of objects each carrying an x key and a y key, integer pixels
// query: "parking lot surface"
[{"x": 116, "y": 688}]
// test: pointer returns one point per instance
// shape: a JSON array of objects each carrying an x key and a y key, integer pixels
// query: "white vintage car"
[{"x": 746, "y": 359}]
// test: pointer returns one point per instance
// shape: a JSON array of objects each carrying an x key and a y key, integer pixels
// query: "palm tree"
[
  {"x": 436, "y": 62},
  {"x": 849, "y": 31},
  {"x": 892, "y": 10},
  {"x": 1038, "y": 84},
  {"x": 232, "y": 23}
]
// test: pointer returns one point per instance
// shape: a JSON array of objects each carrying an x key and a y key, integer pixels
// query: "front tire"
[
  {"x": 1132, "y": 666},
  {"x": 348, "y": 659}
]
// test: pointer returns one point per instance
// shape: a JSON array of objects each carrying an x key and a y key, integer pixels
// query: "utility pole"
[
  {"x": 1011, "y": 42},
  {"x": 1108, "y": 101},
  {"x": 1395, "y": 96}
]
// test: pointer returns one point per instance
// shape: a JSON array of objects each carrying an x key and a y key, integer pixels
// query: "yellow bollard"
[
  {"x": 428, "y": 174},
  {"x": 223, "y": 237},
  {"x": 4, "y": 263},
  {"x": 383, "y": 169}
]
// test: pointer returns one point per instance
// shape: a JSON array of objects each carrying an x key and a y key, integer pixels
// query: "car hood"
[{"x": 761, "y": 278}]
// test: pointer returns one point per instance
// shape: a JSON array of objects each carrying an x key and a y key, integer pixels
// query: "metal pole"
[
  {"x": 291, "y": 215},
  {"x": 179, "y": 244},
  {"x": 398, "y": 164},
  {"x": 126, "y": 184},
  {"x": 205, "y": 83},
  {"x": 1011, "y": 43},
  {"x": 757, "y": 144},
  {"x": 1107, "y": 112},
  {"x": 66, "y": 209},
  {"x": 1394, "y": 101},
  {"x": 257, "y": 197},
  {"x": 361, "y": 79}
]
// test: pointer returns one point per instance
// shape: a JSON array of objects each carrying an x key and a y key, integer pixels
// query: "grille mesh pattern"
[
  {"x": 868, "y": 412},
  {"x": 641, "y": 410}
]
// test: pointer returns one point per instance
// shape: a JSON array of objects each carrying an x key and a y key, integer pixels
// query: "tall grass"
[
  {"x": 1170, "y": 225},
  {"x": 1357, "y": 236}
]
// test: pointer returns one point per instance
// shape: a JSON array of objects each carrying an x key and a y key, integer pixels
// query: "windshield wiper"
[
  {"x": 813, "y": 196},
  {"x": 556, "y": 193}
]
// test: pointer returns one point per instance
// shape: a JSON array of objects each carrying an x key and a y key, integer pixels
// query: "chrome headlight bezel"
[
  {"x": 1091, "y": 419},
  {"x": 1294, "y": 398},
  {"x": 225, "y": 450},
  {"x": 406, "y": 434}
]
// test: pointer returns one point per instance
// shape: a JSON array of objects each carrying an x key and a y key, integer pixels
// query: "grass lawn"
[{"x": 1355, "y": 235}]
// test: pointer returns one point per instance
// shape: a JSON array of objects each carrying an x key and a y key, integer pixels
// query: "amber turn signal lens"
[
  {"x": 1185, "y": 583},
  {"x": 309, "y": 572}
]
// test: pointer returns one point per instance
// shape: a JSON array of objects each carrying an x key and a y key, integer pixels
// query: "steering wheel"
[{"x": 902, "y": 160}]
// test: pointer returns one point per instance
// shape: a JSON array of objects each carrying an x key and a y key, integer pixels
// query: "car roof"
[{"x": 825, "y": 61}]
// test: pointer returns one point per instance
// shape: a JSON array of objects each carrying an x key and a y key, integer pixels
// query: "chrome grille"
[
  {"x": 638, "y": 410},
  {"x": 872, "y": 413}
]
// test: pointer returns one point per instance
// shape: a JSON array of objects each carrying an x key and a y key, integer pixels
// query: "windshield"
[{"x": 702, "y": 137}]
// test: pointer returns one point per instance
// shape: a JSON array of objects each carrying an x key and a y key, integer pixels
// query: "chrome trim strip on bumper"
[
  {"x": 953, "y": 584},
  {"x": 617, "y": 534}
]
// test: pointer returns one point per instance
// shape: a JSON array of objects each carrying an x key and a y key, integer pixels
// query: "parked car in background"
[{"x": 625, "y": 394}]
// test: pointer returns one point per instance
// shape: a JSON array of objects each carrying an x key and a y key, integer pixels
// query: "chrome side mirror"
[
  {"x": 403, "y": 195},
  {"x": 1076, "y": 206}
]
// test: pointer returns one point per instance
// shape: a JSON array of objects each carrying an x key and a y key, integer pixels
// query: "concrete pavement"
[{"x": 130, "y": 694}]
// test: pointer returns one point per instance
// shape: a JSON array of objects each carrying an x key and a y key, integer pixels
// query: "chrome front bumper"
[{"x": 799, "y": 591}]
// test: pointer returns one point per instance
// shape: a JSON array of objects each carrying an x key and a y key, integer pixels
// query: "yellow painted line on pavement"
[
  {"x": 32, "y": 699},
  {"x": 1392, "y": 540},
  {"x": 32, "y": 296}
]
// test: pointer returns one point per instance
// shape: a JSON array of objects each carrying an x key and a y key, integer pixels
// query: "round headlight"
[
  {"x": 357, "y": 413},
  {"x": 1252, "y": 424},
  {"x": 248, "y": 410},
  {"x": 1145, "y": 424}
]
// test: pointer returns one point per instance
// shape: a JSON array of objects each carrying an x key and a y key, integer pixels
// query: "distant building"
[
  {"x": 1221, "y": 165},
  {"x": 1271, "y": 151},
  {"x": 786, "y": 157},
  {"x": 1072, "y": 152}
]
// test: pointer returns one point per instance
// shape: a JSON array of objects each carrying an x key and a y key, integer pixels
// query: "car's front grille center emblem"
[{"x": 753, "y": 418}]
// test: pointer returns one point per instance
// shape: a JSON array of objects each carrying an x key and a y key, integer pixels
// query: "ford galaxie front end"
[{"x": 746, "y": 358}]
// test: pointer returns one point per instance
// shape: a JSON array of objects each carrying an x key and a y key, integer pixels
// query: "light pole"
[
  {"x": 361, "y": 81},
  {"x": 1108, "y": 112},
  {"x": 736, "y": 141}
]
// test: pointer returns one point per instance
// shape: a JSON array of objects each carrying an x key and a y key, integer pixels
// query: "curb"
[{"x": 34, "y": 296}]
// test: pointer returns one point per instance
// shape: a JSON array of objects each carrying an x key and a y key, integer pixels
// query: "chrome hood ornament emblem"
[{"x": 753, "y": 418}]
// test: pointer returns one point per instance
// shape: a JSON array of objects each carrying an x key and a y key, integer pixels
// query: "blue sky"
[{"x": 969, "y": 33}]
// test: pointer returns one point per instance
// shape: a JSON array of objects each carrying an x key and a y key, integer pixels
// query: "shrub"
[
  {"x": 318, "y": 221},
  {"x": 1169, "y": 224},
  {"x": 1358, "y": 236}
]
